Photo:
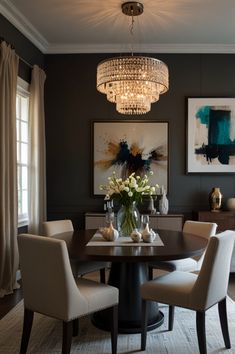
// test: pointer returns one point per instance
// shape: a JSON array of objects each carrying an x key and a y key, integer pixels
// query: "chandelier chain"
[{"x": 132, "y": 33}]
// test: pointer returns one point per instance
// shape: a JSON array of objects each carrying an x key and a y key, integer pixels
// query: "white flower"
[{"x": 128, "y": 190}]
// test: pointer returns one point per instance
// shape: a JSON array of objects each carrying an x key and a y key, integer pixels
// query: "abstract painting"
[
  {"x": 130, "y": 146},
  {"x": 211, "y": 135}
]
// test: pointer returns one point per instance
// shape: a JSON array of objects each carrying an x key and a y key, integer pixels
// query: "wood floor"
[{"x": 9, "y": 301}]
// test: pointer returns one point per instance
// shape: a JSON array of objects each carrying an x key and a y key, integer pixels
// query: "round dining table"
[{"x": 129, "y": 269}]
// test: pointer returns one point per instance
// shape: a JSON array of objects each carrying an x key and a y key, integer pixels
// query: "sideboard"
[
  {"x": 172, "y": 222},
  {"x": 225, "y": 221}
]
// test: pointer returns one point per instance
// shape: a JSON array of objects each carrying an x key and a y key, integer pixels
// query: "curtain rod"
[{"x": 20, "y": 58}]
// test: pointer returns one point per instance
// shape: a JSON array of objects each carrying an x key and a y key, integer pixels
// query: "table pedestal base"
[{"x": 128, "y": 277}]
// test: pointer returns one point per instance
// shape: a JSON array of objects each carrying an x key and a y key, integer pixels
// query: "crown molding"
[
  {"x": 15, "y": 17},
  {"x": 176, "y": 48}
]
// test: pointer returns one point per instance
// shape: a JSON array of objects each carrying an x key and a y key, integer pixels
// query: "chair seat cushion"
[
  {"x": 98, "y": 295},
  {"x": 173, "y": 288},
  {"x": 185, "y": 265}
]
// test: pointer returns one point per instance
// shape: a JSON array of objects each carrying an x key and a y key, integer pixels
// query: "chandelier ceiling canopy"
[{"x": 132, "y": 82}]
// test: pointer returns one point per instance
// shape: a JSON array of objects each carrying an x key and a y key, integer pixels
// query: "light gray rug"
[{"x": 47, "y": 334}]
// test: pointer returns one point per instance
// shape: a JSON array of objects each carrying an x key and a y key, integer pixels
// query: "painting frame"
[
  {"x": 145, "y": 132},
  {"x": 210, "y": 126}
]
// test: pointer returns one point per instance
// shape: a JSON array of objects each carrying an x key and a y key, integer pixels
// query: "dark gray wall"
[
  {"x": 72, "y": 103},
  {"x": 23, "y": 47}
]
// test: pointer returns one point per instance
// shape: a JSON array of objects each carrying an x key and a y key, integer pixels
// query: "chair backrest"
[
  {"x": 202, "y": 229},
  {"x": 212, "y": 282},
  {"x": 56, "y": 227},
  {"x": 199, "y": 228},
  {"x": 48, "y": 282}
]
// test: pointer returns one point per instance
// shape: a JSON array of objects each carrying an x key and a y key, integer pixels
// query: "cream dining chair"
[
  {"x": 49, "y": 288},
  {"x": 79, "y": 268},
  {"x": 202, "y": 229},
  {"x": 195, "y": 292}
]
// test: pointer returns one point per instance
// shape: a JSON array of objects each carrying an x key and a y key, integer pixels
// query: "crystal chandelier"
[{"x": 132, "y": 82}]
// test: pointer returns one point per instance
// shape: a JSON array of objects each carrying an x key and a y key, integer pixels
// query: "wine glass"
[{"x": 144, "y": 221}]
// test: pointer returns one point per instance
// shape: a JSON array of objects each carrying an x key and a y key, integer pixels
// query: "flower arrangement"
[
  {"x": 132, "y": 189},
  {"x": 128, "y": 193}
]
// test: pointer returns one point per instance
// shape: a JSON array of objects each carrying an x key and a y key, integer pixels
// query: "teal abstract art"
[{"x": 211, "y": 135}]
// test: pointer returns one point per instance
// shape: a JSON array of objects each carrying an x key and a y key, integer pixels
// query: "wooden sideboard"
[
  {"x": 225, "y": 221},
  {"x": 172, "y": 222}
]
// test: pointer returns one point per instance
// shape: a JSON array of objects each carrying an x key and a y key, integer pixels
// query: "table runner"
[{"x": 98, "y": 240}]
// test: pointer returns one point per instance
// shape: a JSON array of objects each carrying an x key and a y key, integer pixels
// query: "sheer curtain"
[
  {"x": 9, "y": 259},
  {"x": 37, "y": 154}
]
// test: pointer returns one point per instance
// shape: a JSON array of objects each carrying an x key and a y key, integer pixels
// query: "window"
[{"x": 22, "y": 130}]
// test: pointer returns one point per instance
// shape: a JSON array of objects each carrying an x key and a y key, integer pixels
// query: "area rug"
[{"x": 47, "y": 334}]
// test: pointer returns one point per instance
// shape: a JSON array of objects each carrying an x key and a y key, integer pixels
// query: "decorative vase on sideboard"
[
  {"x": 163, "y": 204},
  {"x": 215, "y": 199},
  {"x": 231, "y": 204}
]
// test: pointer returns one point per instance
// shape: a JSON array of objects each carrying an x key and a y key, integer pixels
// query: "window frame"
[{"x": 23, "y": 90}]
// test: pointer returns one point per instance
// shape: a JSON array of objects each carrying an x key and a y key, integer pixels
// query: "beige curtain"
[
  {"x": 9, "y": 259},
  {"x": 37, "y": 154}
]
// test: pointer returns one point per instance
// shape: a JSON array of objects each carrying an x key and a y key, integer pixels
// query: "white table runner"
[{"x": 98, "y": 240}]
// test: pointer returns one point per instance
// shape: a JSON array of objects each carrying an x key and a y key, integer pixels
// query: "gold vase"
[{"x": 215, "y": 199}]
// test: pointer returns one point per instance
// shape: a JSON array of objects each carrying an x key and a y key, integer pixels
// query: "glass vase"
[{"x": 128, "y": 219}]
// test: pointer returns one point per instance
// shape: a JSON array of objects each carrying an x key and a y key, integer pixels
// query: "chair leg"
[
  {"x": 224, "y": 322},
  {"x": 201, "y": 331},
  {"x": 114, "y": 329},
  {"x": 150, "y": 273},
  {"x": 75, "y": 327},
  {"x": 144, "y": 324},
  {"x": 67, "y": 337},
  {"x": 102, "y": 275},
  {"x": 27, "y": 326},
  {"x": 171, "y": 317}
]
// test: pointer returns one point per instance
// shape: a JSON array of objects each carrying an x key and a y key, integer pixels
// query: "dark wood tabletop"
[{"x": 177, "y": 245}]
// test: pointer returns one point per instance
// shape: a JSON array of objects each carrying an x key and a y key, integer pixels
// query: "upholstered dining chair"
[
  {"x": 50, "y": 289},
  {"x": 195, "y": 292},
  {"x": 202, "y": 229},
  {"x": 79, "y": 268}
]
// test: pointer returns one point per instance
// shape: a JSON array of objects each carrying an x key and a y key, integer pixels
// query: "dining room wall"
[{"x": 72, "y": 103}]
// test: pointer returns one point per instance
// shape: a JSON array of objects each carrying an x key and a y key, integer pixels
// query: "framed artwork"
[
  {"x": 211, "y": 135},
  {"x": 129, "y": 146}
]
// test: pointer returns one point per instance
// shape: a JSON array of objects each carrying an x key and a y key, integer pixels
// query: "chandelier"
[{"x": 132, "y": 82}]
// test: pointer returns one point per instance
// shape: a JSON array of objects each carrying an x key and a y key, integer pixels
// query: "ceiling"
[{"x": 96, "y": 26}]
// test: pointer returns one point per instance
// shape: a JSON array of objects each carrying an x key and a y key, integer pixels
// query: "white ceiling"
[{"x": 86, "y": 26}]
